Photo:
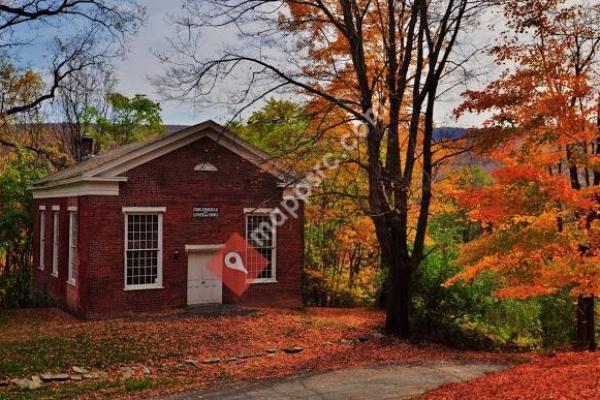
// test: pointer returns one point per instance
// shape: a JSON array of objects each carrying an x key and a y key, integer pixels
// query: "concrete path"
[{"x": 373, "y": 383}]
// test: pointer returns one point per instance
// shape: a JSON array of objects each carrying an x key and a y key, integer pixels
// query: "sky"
[
  {"x": 133, "y": 73},
  {"x": 141, "y": 63}
]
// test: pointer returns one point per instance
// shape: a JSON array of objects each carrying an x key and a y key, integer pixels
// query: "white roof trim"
[
  {"x": 78, "y": 188},
  {"x": 133, "y": 210},
  {"x": 145, "y": 154},
  {"x": 203, "y": 247},
  {"x": 258, "y": 210},
  {"x": 104, "y": 179},
  {"x": 78, "y": 180}
]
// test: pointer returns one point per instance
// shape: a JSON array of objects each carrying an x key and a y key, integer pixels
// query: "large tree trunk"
[
  {"x": 398, "y": 298},
  {"x": 586, "y": 338},
  {"x": 396, "y": 260}
]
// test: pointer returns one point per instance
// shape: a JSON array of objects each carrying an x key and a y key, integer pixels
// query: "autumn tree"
[
  {"x": 380, "y": 64},
  {"x": 543, "y": 209},
  {"x": 18, "y": 86},
  {"x": 98, "y": 31}
]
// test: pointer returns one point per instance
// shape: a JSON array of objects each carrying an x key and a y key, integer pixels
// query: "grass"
[
  {"x": 51, "y": 341},
  {"x": 70, "y": 391},
  {"x": 67, "y": 391},
  {"x": 53, "y": 352},
  {"x": 50, "y": 353}
]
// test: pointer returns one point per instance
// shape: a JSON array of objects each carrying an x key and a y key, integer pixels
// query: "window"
[
  {"x": 261, "y": 235},
  {"x": 73, "y": 242},
  {"x": 143, "y": 249},
  {"x": 42, "y": 238},
  {"x": 55, "y": 241}
]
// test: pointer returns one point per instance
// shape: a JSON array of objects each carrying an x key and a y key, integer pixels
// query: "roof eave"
[
  {"x": 63, "y": 182},
  {"x": 79, "y": 187},
  {"x": 111, "y": 170}
]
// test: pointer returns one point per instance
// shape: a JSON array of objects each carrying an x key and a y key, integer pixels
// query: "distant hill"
[
  {"x": 441, "y": 133},
  {"x": 174, "y": 128},
  {"x": 448, "y": 133}
]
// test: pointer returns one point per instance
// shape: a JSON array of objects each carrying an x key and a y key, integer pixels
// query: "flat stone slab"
[
  {"x": 55, "y": 377},
  {"x": 79, "y": 370},
  {"x": 293, "y": 349},
  {"x": 373, "y": 383},
  {"x": 31, "y": 384}
]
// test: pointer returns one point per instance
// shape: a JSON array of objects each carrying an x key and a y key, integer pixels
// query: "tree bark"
[
  {"x": 586, "y": 338},
  {"x": 398, "y": 298}
]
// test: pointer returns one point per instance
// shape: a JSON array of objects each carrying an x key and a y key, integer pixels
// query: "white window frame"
[
  {"x": 55, "y": 239},
  {"x": 268, "y": 212},
  {"x": 73, "y": 246},
  {"x": 127, "y": 211},
  {"x": 42, "y": 239}
]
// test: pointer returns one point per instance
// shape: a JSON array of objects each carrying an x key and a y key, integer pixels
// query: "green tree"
[
  {"x": 278, "y": 128},
  {"x": 16, "y": 224},
  {"x": 127, "y": 120}
]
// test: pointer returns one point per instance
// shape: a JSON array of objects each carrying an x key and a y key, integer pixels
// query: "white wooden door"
[{"x": 203, "y": 286}]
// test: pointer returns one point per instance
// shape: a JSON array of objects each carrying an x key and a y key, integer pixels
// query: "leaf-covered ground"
[
  {"x": 34, "y": 341},
  {"x": 563, "y": 376}
]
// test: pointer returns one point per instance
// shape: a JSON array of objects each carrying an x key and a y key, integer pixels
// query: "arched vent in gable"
[{"x": 205, "y": 167}]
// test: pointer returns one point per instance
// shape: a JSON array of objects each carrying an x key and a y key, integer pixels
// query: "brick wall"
[
  {"x": 170, "y": 181},
  {"x": 56, "y": 287}
]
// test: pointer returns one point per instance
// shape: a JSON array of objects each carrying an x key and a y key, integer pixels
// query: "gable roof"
[{"x": 108, "y": 166}]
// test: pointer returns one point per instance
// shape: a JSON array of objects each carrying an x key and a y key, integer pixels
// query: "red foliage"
[
  {"x": 564, "y": 376},
  {"x": 170, "y": 340}
]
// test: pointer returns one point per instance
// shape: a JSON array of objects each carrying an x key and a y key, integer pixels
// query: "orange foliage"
[
  {"x": 524, "y": 241},
  {"x": 540, "y": 226}
]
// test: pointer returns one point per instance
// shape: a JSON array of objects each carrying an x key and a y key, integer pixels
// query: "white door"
[{"x": 203, "y": 286}]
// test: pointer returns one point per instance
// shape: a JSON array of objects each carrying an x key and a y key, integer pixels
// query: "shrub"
[
  {"x": 557, "y": 317},
  {"x": 322, "y": 290},
  {"x": 469, "y": 315},
  {"x": 16, "y": 203},
  {"x": 15, "y": 288}
]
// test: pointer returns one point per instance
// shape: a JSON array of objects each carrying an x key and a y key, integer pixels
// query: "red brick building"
[{"x": 131, "y": 230}]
